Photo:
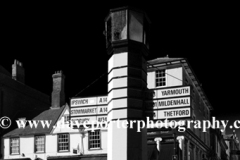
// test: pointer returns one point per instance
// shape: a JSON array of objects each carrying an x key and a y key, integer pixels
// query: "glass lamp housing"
[{"x": 124, "y": 25}]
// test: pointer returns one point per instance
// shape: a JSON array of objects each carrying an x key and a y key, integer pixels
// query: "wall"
[
  {"x": 27, "y": 144},
  {"x": 200, "y": 111},
  {"x": 176, "y": 76},
  {"x": 173, "y": 77}
]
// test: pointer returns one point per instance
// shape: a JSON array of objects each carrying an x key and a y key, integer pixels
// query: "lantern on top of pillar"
[{"x": 127, "y": 29}]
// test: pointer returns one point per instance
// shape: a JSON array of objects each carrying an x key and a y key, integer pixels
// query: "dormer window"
[
  {"x": 160, "y": 78},
  {"x": 66, "y": 118}
]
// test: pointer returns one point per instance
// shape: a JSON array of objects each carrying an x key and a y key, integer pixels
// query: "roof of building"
[
  {"x": 164, "y": 61},
  {"x": 4, "y": 71},
  {"x": 49, "y": 115}
]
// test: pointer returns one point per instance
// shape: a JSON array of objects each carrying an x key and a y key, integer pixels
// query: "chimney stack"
[
  {"x": 18, "y": 72},
  {"x": 58, "y": 94}
]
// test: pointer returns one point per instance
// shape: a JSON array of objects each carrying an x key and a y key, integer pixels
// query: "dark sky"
[{"x": 69, "y": 37}]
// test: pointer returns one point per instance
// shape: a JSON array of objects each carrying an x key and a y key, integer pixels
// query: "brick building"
[{"x": 17, "y": 99}]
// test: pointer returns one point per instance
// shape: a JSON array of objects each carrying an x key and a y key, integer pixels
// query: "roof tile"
[{"x": 50, "y": 115}]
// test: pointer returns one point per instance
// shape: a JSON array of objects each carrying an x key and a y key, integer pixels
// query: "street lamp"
[{"x": 125, "y": 27}]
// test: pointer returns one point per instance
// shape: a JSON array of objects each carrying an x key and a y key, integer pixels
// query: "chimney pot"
[
  {"x": 58, "y": 94},
  {"x": 18, "y": 72}
]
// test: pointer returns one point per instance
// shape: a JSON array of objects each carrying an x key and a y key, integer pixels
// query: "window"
[
  {"x": 207, "y": 114},
  {"x": 186, "y": 81},
  {"x": 14, "y": 146},
  {"x": 204, "y": 137},
  {"x": 192, "y": 125},
  {"x": 39, "y": 144},
  {"x": 200, "y": 133},
  {"x": 193, "y": 98},
  {"x": 185, "y": 149},
  {"x": 197, "y": 154},
  {"x": 160, "y": 78},
  {"x": 208, "y": 138},
  {"x": 66, "y": 118},
  {"x": 63, "y": 142},
  {"x": 94, "y": 139},
  {"x": 216, "y": 144}
]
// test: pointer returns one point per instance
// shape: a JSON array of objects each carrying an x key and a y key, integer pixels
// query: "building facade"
[
  {"x": 163, "y": 143},
  {"x": 55, "y": 139},
  {"x": 177, "y": 95},
  {"x": 54, "y": 143}
]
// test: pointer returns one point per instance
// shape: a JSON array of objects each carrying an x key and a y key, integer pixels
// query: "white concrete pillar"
[
  {"x": 126, "y": 84},
  {"x": 181, "y": 145},
  {"x": 81, "y": 144},
  {"x": 158, "y": 140},
  {"x": 180, "y": 141}
]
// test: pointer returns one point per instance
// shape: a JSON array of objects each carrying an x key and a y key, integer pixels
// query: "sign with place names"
[
  {"x": 172, "y": 113},
  {"x": 84, "y": 111},
  {"x": 88, "y": 120},
  {"x": 88, "y": 110},
  {"x": 172, "y": 92},
  {"x": 83, "y": 102},
  {"x": 77, "y": 102},
  {"x": 168, "y": 103},
  {"x": 173, "y": 102}
]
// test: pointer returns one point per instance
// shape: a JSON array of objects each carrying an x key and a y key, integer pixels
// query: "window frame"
[
  {"x": 192, "y": 125},
  {"x": 66, "y": 118},
  {"x": 165, "y": 71},
  {"x": 100, "y": 145},
  {"x": 44, "y": 149},
  {"x": 58, "y": 145},
  {"x": 10, "y": 146}
]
